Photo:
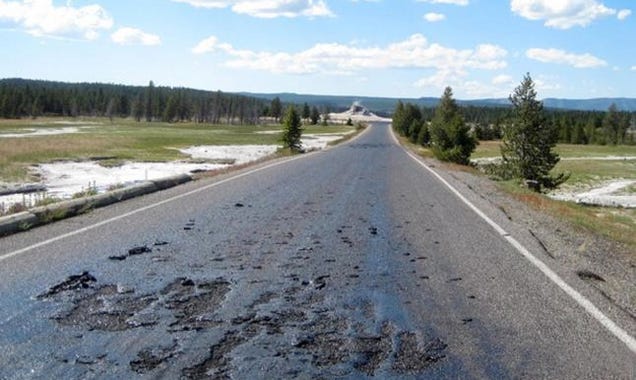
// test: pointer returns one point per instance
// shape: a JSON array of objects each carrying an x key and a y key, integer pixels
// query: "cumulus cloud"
[
  {"x": 208, "y": 45},
  {"x": 42, "y": 18},
  {"x": 562, "y": 14},
  {"x": 454, "y": 2},
  {"x": 557, "y": 56},
  {"x": 449, "y": 65},
  {"x": 434, "y": 17},
  {"x": 132, "y": 36},
  {"x": 267, "y": 8},
  {"x": 502, "y": 79},
  {"x": 623, "y": 14}
]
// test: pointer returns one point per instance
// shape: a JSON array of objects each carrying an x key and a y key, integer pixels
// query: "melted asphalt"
[{"x": 349, "y": 263}]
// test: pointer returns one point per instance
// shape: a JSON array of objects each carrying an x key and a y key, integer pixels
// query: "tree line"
[
  {"x": 22, "y": 98},
  {"x": 488, "y": 123},
  {"x": 528, "y": 136}
]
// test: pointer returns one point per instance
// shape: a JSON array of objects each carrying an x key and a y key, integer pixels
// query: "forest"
[
  {"x": 21, "y": 98},
  {"x": 487, "y": 122}
]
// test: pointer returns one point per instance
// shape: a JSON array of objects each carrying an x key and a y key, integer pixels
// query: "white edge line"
[
  {"x": 586, "y": 304},
  {"x": 165, "y": 201}
]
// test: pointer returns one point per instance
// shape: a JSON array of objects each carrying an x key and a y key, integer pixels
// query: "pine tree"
[
  {"x": 528, "y": 140},
  {"x": 276, "y": 108},
  {"x": 450, "y": 136},
  {"x": 292, "y": 130},
  {"x": 315, "y": 115},
  {"x": 611, "y": 125},
  {"x": 306, "y": 111}
]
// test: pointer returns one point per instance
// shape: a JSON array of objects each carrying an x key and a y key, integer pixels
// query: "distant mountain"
[
  {"x": 385, "y": 106},
  {"x": 598, "y": 104}
]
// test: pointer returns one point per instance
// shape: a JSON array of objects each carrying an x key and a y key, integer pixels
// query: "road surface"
[{"x": 350, "y": 263}]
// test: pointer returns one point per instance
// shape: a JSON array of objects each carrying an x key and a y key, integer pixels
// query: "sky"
[{"x": 390, "y": 48}]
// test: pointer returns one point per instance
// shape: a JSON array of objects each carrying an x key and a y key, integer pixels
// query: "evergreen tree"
[
  {"x": 529, "y": 139},
  {"x": 276, "y": 108},
  {"x": 150, "y": 101},
  {"x": 611, "y": 125},
  {"x": 423, "y": 137},
  {"x": 111, "y": 109},
  {"x": 306, "y": 111},
  {"x": 292, "y": 130},
  {"x": 171, "y": 110},
  {"x": 138, "y": 108},
  {"x": 315, "y": 115},
  {"x": 450, "y": 136}
]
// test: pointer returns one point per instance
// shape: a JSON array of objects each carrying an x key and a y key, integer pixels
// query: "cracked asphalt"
[{"x": 349, "y": 263}]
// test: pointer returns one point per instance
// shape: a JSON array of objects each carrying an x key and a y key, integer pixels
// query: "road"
[{"x": 349, "y": 263}]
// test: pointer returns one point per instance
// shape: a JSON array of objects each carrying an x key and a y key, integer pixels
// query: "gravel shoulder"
[{"x": 608, "y": 267}]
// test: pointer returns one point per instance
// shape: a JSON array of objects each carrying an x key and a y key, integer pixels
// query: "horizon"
[{"x": 370, "y": 48}]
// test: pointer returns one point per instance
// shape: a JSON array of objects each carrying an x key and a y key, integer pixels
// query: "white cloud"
[
  {"x": 546, "y": 84},
  {"x": 562, "y": 57},
  {"x": 502, "y": 79},
  {"x": 267, "y": 8},
  {"x": 449, "y": 65},
  {"x": 454, "y": 2},
  {"x": 623, "y": 14},
  {"x": 434, "y": 17},
  {"x": 561, "y": 14},
  {"x": 42, "y": 18},
  {"x": 633, "y": 68},
  {"x": 132, "y": 36},
  {"x": 207, "y": 45}
]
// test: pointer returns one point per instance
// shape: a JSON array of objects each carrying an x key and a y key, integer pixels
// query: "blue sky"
[{"x": 394, "y": 48}]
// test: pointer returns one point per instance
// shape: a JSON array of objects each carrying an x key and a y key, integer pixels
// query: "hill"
[{"x": 385, "y": 106}]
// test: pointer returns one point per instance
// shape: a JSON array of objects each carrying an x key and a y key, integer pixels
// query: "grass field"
[
  {"x": 585, "y": 166},
  {"x": 121, "y": 140},
  {"x": 582, "y": 161}
]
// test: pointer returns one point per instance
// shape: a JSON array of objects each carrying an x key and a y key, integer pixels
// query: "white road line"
[
  {"x": 165, "y": 201},
  {"x": 586, "y": 304}
]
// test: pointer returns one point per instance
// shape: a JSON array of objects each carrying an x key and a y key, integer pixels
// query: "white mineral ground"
[
  {"x": 32, "y": 132},
  {"x": 64, "y": 179},
  {"x": 608, "y": 193}
]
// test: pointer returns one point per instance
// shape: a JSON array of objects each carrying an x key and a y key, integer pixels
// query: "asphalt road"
[{"x": 347, "y": 263}]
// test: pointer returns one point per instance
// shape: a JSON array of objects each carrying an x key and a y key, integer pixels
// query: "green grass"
[
  {"x": 492, "y": 149},
  {"x": 582, "y": 170},
  {"x": 122, "y": 140},
  {"x": 589, "y": 171}
]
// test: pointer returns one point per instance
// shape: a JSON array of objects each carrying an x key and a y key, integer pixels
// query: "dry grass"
[
  {"x": 618, "y": 224},
  {"x": 614, "y": 223},
  {"x": 16, "y": 155},
  {"x": 122, "y": 140}
]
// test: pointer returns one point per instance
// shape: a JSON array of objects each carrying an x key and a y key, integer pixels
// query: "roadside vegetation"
[
  {"x": 521, "y": 149},
  {"x": 450, "y": 137},
  {"x": 292, "y": 131}
]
